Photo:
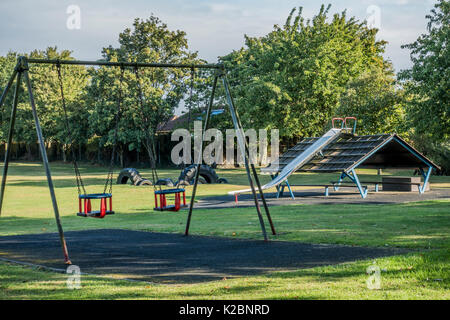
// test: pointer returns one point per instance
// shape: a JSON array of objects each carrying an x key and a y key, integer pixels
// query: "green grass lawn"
[{"x": 421, "y": 226}]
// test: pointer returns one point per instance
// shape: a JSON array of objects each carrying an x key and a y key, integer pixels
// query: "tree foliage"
[
  {"x": 92, "y": 94},
  {"x": 44, "y": 81},
  {"x": 377, "y": 102},
  {"x": 293, "y": 78},
  {"x": 428, "y": 81},
  {"x": 161, "y": 89},
  {"x": 427, "y": 84}
]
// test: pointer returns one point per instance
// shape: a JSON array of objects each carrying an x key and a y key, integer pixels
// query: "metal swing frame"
[
  {"x": 150, "y": 144},
  {"x": 22, "y": 70},
  {"x": 84, "y": 198}
]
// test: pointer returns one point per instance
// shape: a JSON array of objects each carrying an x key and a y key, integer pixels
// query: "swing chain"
[
  {"x": 150, "y": 143},
  {"x": 191, "y": 97},
  {"x": 79, "y": 180},
  {"x": 109, "y": 177}
]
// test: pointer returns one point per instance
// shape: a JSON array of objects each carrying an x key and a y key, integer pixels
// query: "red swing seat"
[
  {"x": 163, "y": 206},
  {"x": 84, "y": 199},
  {"x": 85, "y": 206}
]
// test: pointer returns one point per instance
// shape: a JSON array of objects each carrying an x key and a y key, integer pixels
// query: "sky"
[{"x": 214, "y": 28}]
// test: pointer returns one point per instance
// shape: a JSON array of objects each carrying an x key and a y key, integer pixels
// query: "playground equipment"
[
  {"x": 129, "y": 174},
  {"x": 299, "y": 160},
  {"x": 150, "y": 146},
  {"x": 206, "y": 172},
  {"x": 85, "y": 209},
  {"x": 187, "y": 177},
  {"x": 22, "y": 70},
  {"x": 340, "y": 150},
  {"x": 163, "y": 206},
  {"x": 105, "y": 197}
]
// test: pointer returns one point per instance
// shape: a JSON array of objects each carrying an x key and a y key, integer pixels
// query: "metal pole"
[
  {"x": 255, "y": 174},
  {"x": 8, "y": 85},
  {"x": 46, "y": 165},
  {"x": 125, "y": 64},
  {"x": 199, "y": 158},
  {"x": 9, "y": 141},
  {"x": 258, "y": 184},
  {"x": 261, "y": 193},
  {"x": 2, "y": 100},
  {"x": 243, "y": 144}
]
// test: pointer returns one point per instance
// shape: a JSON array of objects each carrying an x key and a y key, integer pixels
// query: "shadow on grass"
[
  {"x": 172, "y": 258},
  {"x": 427, "y": 266}
]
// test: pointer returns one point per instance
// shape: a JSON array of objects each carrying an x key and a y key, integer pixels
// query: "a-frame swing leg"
[
  {"x": 199, "y": 158},
  {"x": 21, "y": 69},
  {"x": 24, "y": 68},
  {"x": 11, "y": 129},
  {"x": 241, "y": 143},
  {"x": 246, "y": 155},
  {"x": 261, "y": 194},
  {"x": 241, "y": 140}
]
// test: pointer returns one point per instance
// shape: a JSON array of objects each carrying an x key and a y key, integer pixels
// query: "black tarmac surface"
[
  {"x": 316, "y": 196},
  {"x": 172, "y": 258}
]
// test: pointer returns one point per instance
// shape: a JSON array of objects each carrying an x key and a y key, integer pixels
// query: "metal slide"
[{"x": 299, "y": 161}]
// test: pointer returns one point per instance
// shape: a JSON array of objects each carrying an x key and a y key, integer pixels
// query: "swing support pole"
[
  {"x": 46, "y": 166},
  {"x": 21, "y": 70},
  {"x": 199, "y": 161},
  {"x": 246, "y": 155},
  {"x": 242, "y": 142},
  {"x": 11, "y": 129},
  {"x": 243, "y": 146}
]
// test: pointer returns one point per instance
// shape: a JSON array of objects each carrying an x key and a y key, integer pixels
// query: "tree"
[
  {"x": 48, "y": 98},
  {"x": 162, "y": 88},
  {"x": 428, "y": 81},
  {"x": 293, "y": 78},
  {"x": 377, "y": 102},
  {"x": 7, "y": 65},
  {"x": 427, "y": 84},
  {"x": 46, "y": 91}
]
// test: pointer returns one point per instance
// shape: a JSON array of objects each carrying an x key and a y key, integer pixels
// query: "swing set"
[{"x": 85, "y": 199}]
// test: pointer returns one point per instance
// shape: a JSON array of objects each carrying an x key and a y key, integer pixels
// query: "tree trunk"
[
  {"x": 63, "y": 150},
  {"x": 121, "y": 157},
  {"x": 28, "y": 148}
]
